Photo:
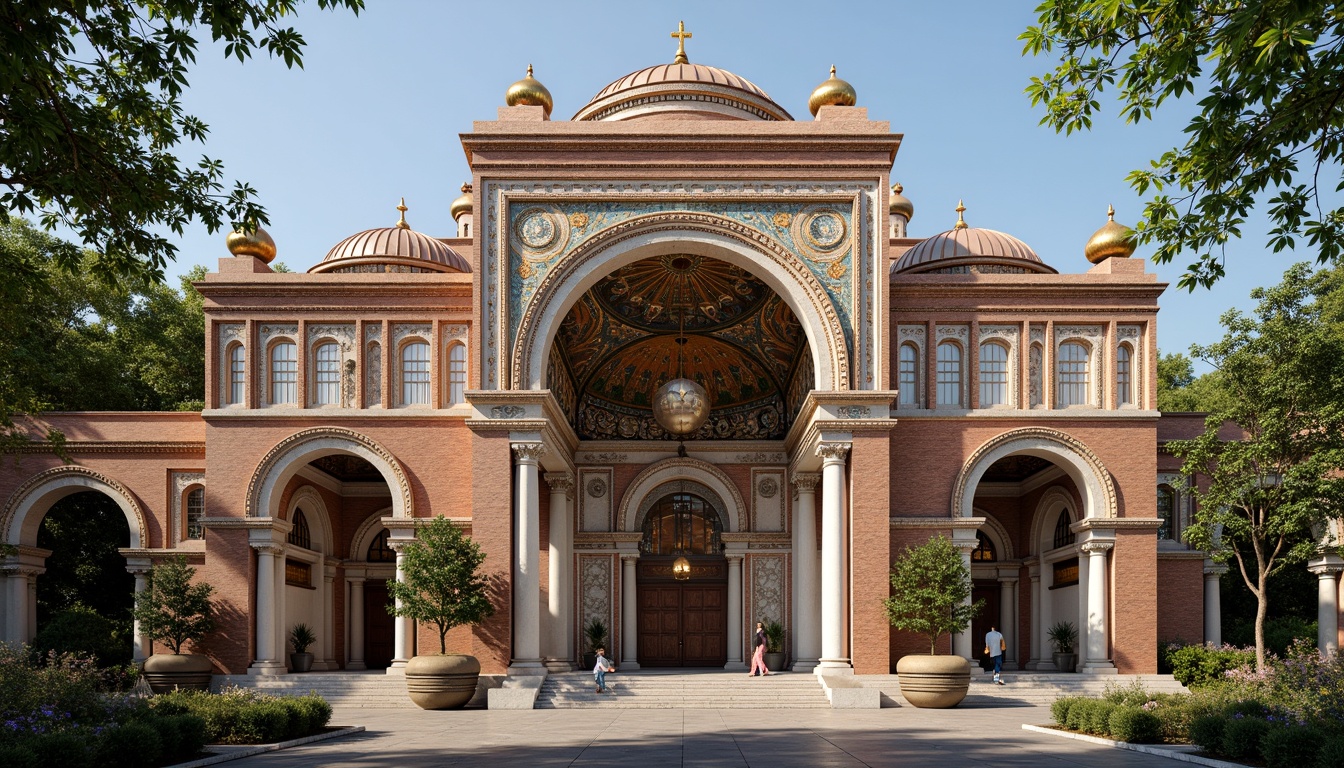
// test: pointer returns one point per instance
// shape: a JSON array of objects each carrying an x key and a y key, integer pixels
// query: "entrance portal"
[{"x": 683, "y": 617}]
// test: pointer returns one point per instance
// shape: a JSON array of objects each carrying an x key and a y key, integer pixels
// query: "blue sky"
[{"x": 376, "y": 113}]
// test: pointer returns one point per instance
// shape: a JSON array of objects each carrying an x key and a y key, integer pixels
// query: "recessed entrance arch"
[
  {"x": 1078, "y": 461},
  {"x": 682, "y": 622}
]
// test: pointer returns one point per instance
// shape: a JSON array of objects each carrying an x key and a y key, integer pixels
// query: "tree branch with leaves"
[
  {"x": 931, "y": 591},
  {"x": 442, "y": 583}
]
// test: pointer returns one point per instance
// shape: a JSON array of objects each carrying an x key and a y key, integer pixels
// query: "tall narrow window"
[
  {"x": 1166, "y": 510},
  {"x": 457, "y": 374},
  {"x": 949, "y": 374},
  {"x": 237, "y": 374},
  {"x": 299, "y": 533},
  {"x": 908, "y": 372},
  {"x": 1063, "y": 535},
  {"x": 984, "y": 549},
  {"x": 1034, "y": 379},
  {"x": 327, "y": 381},
  {"x": 993, "y": 374},
  {"x": 195, "y": 511},
  {"x": 284, "y": 374},
  {"x": 1124, "y": 376},
  {"x": 1073, "y": 374},
  {"x": 379, "y": 551},
  {"x": 415, "y": 374}
]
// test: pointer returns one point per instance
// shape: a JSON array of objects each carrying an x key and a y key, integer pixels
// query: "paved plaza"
[{"x": 974, "y": 736}]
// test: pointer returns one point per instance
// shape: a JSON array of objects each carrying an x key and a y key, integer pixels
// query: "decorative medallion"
[
  {"x": 782, "y": 220},
  {"x": 597, "y": 487},
  {"x": 536, "y": 230},
  {"x": 537, "y": 234},
  {"x": 768, "y": 487},
  {"x": 822, "y": 236},
  {"x": 578, "y": 220},
  {"x": 825, "y": 230}
]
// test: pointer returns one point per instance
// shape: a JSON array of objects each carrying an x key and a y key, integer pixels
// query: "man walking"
[{"x": 994, "y": 647}]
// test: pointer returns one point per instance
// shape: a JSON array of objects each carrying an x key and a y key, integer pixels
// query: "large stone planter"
[
  {"x": 169, "y": 671},
  {"x": 301, "y": 662},
  {"x": 1064, "y": 662},
  {"x": 934, "y": 682},
  {"x": 774, "y": 661},
  {"x": 442, "y": 682}
]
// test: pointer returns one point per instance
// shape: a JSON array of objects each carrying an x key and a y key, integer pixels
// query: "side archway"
[
  {"x": 290, "y": 455},
  {"x": 704, "y": 474},
  {"x": 29, "y": 503},
  {"x": 1078, "y": 461}
]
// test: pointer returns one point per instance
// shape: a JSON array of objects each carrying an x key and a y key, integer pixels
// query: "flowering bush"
[
  {"x": 243, "y": 716},
  {"x": 1197, "y": 666}
]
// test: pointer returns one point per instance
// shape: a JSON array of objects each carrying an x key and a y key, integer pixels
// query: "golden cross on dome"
[
  {"x": 961, "y": 209},
  {"x": 681, "y": 34},
  {"x": 402, "y": 207}
]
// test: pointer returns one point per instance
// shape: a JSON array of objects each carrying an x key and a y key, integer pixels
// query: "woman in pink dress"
[{"x": 758, "y": 656}]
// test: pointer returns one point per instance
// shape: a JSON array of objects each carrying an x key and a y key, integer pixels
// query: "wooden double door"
[
  {"x": 988, "y": 616},
  {"x": 683, "y": 624}
]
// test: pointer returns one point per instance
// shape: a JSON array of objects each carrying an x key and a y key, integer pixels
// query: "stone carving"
[
  {"x": 759, "y": 458},
  {"x": 1034, "y": 365},
  {"x": 768, "y": 487},
  {"x": 1037, "y": 334},
  {"x": 373, "y": 375},
  {"x": 605, "y": 458},
  {"x": 767, "y": 588},
  {"x": 403, "y": 331},
  {"x": 959, "y": 332},
  {"x": 597, "y": 487},
  {"x": 854, "y": 411},
  {"x": 455, "y": 333},
  {"x": 561, "y": 482},
  {"x": 507, "y": 412},
  {"x": 806, "y": 482},
  {"x": 768, "y": 505},
  {"x": 528, "y": 452},
  {"x": 833, "y": 451},
  {"x": 373, "y": 331},
  {"x": 1096, "y": 546},
  {"x": 344, "y": 335},
  {"x": 595, "y": 588}
]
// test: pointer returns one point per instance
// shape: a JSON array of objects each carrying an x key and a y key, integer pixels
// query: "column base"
[
  {"x": 398, "y": 667},
  {"x": 735, "y": 666},
  {"x": 353, "y": 666},
  {"x": 628, "y": 666},
  {"x": 1104, "y": 667},
  {"x": 526, "y": 668},
  {"x": 559, "y": 665},
  {"x": 804, "y": 665},
  {"x": 833, "y": 667},
  {"x": 267, "y": 668}
]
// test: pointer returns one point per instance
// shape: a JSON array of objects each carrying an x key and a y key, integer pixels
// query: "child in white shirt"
[{"x": 601, "y": 669}]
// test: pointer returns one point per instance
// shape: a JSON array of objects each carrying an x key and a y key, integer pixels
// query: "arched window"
[
  {"x": 373, "y": 376},
  {"x": 949, "y": 374},
  {"x": 284, "y": 373},
  {"x": 1124, "y": 376},
  {"x": 1034, "y": 365},
  {"x": 195, "y": 511},
  {"x": 1166, "y": 510},
  {"x": 908, "y": 374},
  {"x": 299, "y": 534},
  {"x": 327, "y": 381},
  {"x": 237, "y": 374},
  {"x": 984, "y": 549},
  {"x": 993, "y": 374},
  {"x": 379, "y": 552},
  {"x": 681, "y": 524},
  {"x": 1074, "y": 361},
  {"x": 415, "y": 374},
  {"x": 457, "y": 374},
  {"x": 1063, "y": 536}
]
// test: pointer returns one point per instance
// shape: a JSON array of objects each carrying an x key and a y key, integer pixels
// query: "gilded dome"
[
  {"x": 258, "y": 243},
  {"x": 392, "y": 249},
  {"x": 529, "y": 92},
  {"x": 900, "y": 204},
  {"x": 1111, "y": 240},
  {"x": 682, "y": 90},
  {"x": 463, "y": 204},
  {"x": 965, "y": 249},
  {"x": 832, "y": 93}
]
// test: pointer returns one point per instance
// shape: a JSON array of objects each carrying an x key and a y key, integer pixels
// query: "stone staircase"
[
  {"x": 371, "y": 689},
  {"x": 1028, "y": 688},
  {"x": 656, "y": 689}
]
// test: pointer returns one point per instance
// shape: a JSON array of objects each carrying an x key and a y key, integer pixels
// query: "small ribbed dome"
[
  {"x": 970, "y": 249},
  {"x": 832, "y": 93},
  {"x": 529, "y": 92},
  {"x": 1111, "y": 240},
  {"x": 686, "y": 90},
  {"x": 900, "y": 205},
  {"x": 463, "y": 204},
  {"x": 392, "y": 249}
]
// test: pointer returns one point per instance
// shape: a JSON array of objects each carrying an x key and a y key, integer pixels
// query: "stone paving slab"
[{"x": 987, "y": 736}]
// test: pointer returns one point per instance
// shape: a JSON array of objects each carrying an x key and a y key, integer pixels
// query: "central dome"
[{"x": 682, "y": 90}]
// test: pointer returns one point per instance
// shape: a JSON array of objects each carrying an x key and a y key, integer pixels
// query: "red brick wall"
[
  {"x": 870, "y": 553},
  {"x": 1180, "y": 604},
  {"x": 1134, "y": 600}
]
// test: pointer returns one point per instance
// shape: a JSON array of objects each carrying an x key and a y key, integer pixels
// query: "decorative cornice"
[
  {"x": 1116, "y": 523},
  {"x": 116, "y": 446},
  {"x": 954, "y": 523}
]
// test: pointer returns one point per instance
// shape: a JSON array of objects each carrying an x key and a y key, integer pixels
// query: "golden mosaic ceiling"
[{"x": 619, "y": 344}]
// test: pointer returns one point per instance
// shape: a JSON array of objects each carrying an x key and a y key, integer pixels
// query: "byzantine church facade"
[{"x": 679, "y": 369}]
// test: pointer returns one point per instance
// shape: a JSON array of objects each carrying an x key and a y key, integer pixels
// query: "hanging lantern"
[
  {"x": 681, "y": 569},
  {"x": 681, "y": 406}
]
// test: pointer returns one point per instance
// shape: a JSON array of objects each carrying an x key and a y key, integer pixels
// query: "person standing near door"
[
  {"x": 758, "y": 655},
  {"x": 994, "y": 647}
]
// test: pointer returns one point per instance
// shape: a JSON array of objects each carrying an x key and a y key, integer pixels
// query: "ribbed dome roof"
[
  {"x": 682, "y": 88},
  {"x": 966, "y": 246},
  {"x": 404, "y": 249}
]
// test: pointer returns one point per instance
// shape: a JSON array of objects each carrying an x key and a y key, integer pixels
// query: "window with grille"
[
  {"x": 1074, "y": 360},
  {"x": 1063, "y": 536},
  {"x": 415, "y": 374},
  {"x": 195, "y": 511},
  {"x": 1124, "y": 376},
  {"x": 284, "y": 374},
  {"x": 984, "y": 549},
  {"x": 457, "y": 374},
  {"x": 299, "y": 533},
  {"x": 908, "y": 373},
  {"x": 949, "y": 374},
  {"x": 237, "y": 374},
  {"x": 298, "y": 573},
  {"x": 379, "y": 552},
  {"x": 993, "y": 375},
  {"x": 1166, "y": 510},
  {"x": 327, "y": 378},
  {"x": 681, "y": 524}
]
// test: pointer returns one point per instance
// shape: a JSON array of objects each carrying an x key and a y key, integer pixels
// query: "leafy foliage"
[
  {"x": 301, "y": 636},
  {"x": 931, "y": 587},
  {"x": 443, "y": 584},
  {"x": 85, "y": 569},
  {"x": 1267, "y": 128},
  {"x": 83, "y": 631},
  {"x": 1197, "y": 666},
  {"x": 172, "y": 609},
  {"x": 245, "y": 716},
  {"x": 1179, "y": 390}
]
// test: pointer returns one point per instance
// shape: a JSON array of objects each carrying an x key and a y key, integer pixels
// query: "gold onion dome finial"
[
  {"x": 961, "y": 219},
  {"x": 1113, "y": 239},
  {"x": 900, "y": 204},
  {"x": 463, "y": 204},
  {"x": 401, "y": 223},
  {"x": 256, "y": 243},
  {"x": 832, "y": 93},
  {"x": 529, "y": 92},
  {"x": 681, "y": 34}
]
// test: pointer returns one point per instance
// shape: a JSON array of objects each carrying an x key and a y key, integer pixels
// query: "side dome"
[
  {"x": 682, "y": 90},
  {"x": 1112, "y": 240},
  {"x": 391, "y": 249},
  {"x": 965, "y": 249}
]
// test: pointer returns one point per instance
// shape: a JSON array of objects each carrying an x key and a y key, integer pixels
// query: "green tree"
[
  {"x": 91, "y": 119},
  {"x": 1283, "y": 369},
  {"x": 930, "y": 589},
  {"x": 172, "y": 609},
  {"x": 1179, "y": 390},
  {"x": 1268, "y": 126},
  {"x": 443, "y": 584}
]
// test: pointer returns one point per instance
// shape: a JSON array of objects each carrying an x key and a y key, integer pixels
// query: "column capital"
[
  {"x": 528, "y": 453},
  {"x": 1007, "y": 580},
  {"x": 1214, "y": 569},
  {"x": 24, "y": 570},
  {"x": 268, "y": 548},
  {"x": 1096, "y": 547},
  {"x": 805, "y": 482},
  {"x": 833, "y": 452},
  {"x": 356, "y": 579},
  {"x": 560, "y": 482},
  {"x": 630, "y": 557},
  {"x": 734, "y": 558},
  {"x": 1326, "y": 570},
  {"x": 138, "y": 570}
]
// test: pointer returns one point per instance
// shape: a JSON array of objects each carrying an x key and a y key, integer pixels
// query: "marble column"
[
  {"x": 962, "y": 643},
  {"x": 806, "y": 584},
  {"x": 19, "y": 608},
  {"x": 834, "y": 654},
  {"x": 526, "y": 657},
  {"x": 559, "y": 608},
  {"x": 403, "y": 627},
  {"x": 327, "y": 640},
  {"x": 1036, "y": 651},
  {"x": 629, "y": 619},
  {"x": 355, "y": 610},
  {"x": 1008, "y": 620},
  {"x": 141, "y": 646},
  {"x": 1213, "y": 602},
  {"x": 1327, "y": 572},
  {"x": 735, "y": 638},
  {"x": 1098, "y": 632},
  {"x": 268, "y": 661}
]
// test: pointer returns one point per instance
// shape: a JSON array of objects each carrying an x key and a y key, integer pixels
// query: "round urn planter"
[
  {"x": 442, "y": 682},
  {"x": 301, "y": 662},
  {"x": 774, "y": 661},
  {"x": 934, "y": 682},
  {"x": 169, "y": 671}
]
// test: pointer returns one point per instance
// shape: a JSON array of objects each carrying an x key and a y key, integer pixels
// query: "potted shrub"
[
  {"x": 774, "y": 646},
  {"x": 174, "y": 611},
  {"x": 930, "y": 589},
  {"x": 441, "y": 585},
  {"x": 1063, "y": 636},
  {"x": 595, "y": 634},
  {"x": 301, "y": 637}
]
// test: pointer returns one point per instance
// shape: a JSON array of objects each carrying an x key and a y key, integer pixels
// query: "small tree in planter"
[
  {"x": 930, "y": 589},
  {"x": 442, "y": 585},
  {"x": 774, "y": 646},
  {"x": 595, "y": 632},
  {"x": 301, "y": 636},
  {"x": 174, "y": 611},
  {"x": 1063, "y": 637}
]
